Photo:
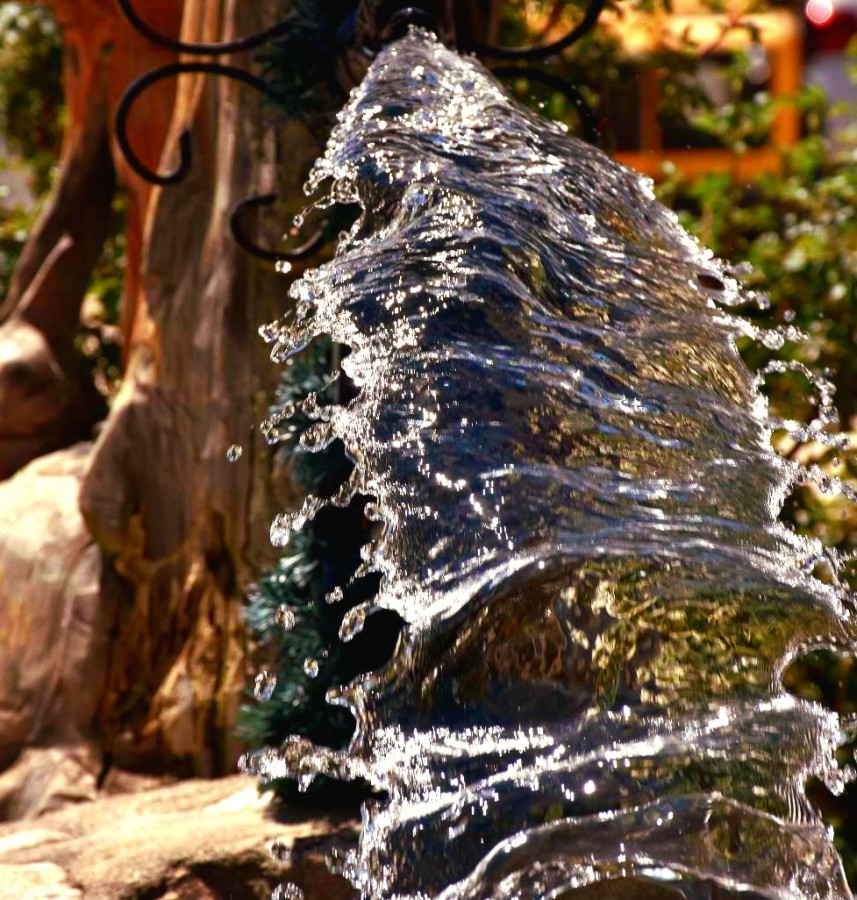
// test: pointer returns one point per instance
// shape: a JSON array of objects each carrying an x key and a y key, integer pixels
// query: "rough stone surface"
[
  {"x": 37, "y": 881},
  {"x": 54, "y": 638},
  {"x": 192, "y": 840},
  {"x": 44, "y": 402},
  {"x": 45, "y": 779}
]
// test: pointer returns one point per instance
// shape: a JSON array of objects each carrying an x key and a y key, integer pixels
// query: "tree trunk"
[{"x": 185, "y": 527}]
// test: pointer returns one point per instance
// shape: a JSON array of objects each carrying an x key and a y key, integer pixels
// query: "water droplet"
[
  {"x": 281, "y": 852},
  {"x": 280, "y": 531},
  {"x": 352, "y": 623},
  {"x": 311, "y": 667},
  {"x": 287, "y": 891},
  {"x": 233, "y": 454},
  {"x": 270, "y": 432},
  {"x": 269, "y": 332},
  {"x": 335, "y": 595},
  {"x": 266, "y": 684},
  {"x": 286, "y": 618},
  {"x": 249, "y": 764}
]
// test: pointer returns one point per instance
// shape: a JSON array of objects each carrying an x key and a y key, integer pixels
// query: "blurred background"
[{"x": 139, "y": 595}]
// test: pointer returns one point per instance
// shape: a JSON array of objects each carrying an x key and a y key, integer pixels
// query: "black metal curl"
[
  {"x": 202, "y": 49},
  {"x": 588, "y": 120},
  {"x": 401, "y": 21},
  {"x": 245, "y": 243},
  {"x": 530, "y": 54},
  {"x": 185, "y": 146},
  {"x": 394, "y": 28}
]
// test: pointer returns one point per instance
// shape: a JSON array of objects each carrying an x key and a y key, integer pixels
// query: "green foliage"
[
  {"x": 30, "y": 87},
  {"x": 14, "y": 227},
  {"x": 30, "y": 115},
  {"x": 797, "y": 230},
  {"x": 99, "y": 339}
]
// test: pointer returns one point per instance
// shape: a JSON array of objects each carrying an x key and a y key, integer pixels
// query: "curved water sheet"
[{"x": 579, "y": 503}]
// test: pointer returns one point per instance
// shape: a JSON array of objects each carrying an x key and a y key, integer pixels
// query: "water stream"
[{"x": 578, "y": 521}]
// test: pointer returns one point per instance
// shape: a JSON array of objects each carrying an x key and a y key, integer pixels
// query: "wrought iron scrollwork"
[
  {"x": 245, "y": 243},
  {"x": 585, "y": 113},
  {"x": 532, "y": 54},
  {"x": 388, "y": 30},
  {"x": 137, "y": 87},
  {"x": 251, "y": 42}
]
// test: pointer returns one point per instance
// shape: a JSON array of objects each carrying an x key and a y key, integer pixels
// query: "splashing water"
[{"x": 580, "y": 521}]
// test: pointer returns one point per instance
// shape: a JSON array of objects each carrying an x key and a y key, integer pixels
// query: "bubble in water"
[
  {"x": 286, "y": 618},
  {"x": 311, "y": 667},
  {"x": 233, "y": 454},
  {"x": 287, "y": 891},
  {"x": 266, "y": 684}
]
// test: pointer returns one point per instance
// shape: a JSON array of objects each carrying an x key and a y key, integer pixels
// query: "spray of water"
[{"x": 573, "y": 471}]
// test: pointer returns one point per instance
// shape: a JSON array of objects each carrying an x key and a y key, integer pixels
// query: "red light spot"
[{"x": 819, "y": 12}]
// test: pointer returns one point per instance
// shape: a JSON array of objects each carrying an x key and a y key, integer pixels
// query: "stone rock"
[
  {"x": 192, "y": 840},
  {"x": 44, "y": 405},
  {"x": 54, "y": 639},
  {"x": 44, "y": 779},
  {"x": 37, "y": 881}
]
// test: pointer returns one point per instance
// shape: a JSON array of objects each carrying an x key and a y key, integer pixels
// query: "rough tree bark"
[{"x": 184, "y": 527}]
